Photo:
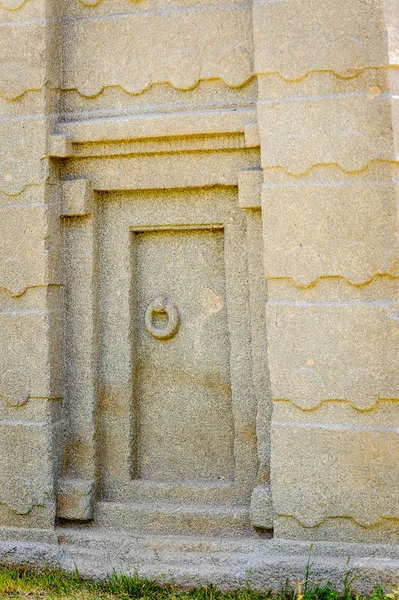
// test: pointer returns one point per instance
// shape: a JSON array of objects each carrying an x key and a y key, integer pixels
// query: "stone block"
[
  {"x": 262, "y": 514},
  {"x": 334, "y": 471},
  {"x": 26, "y": 477},
  {"x": 348, "y": 130},
  {"x": 23, "y": 257},
  {"x": 21, "y": 64},
  {"x": 78, "y": 198},
  {"x": 173, "y": 519},
  {"x": 24, "y": 368},
  {"x": 333, "y": 351},
  {"x": 198, "y": 45},
  {"x": 164, "y": 171},
  {"x": 75, "y": 499},
  {"x": 153, "y": 126},
  {"x": 21, "y": 154},
  {"x": 60, "y": 146},
  {"x": 392, "y": 26},
  {"x": 251, "y": 134},
  {"x": 345, "y": 38},
  {"x": 249, "y": 188},
  {"x": 330, "y": 230}
]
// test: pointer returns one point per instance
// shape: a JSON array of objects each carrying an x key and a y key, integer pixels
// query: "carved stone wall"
[
  {"x": 198, "y": 279},
  {"x": 327, "y": 105}
]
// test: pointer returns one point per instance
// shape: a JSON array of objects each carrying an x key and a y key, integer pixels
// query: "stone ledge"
[
  {"x": 228, "y": 563},
  {"x": 157, "y": 125}
]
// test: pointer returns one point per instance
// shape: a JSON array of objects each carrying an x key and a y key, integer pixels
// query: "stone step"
[
  {"x": 100, "y": 539},
  {"x": 181, "y": 492},
  {"x": 164, "y": 518}
]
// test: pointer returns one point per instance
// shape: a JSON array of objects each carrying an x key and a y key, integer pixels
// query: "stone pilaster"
[
  {"x": 30, "y": 294},
  {"x": 326, "y": 108}
]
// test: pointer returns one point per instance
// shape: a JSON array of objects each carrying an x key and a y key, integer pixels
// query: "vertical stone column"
[
  {"x": 326, "y": 107},
  {"x": 30, "y": 295}
]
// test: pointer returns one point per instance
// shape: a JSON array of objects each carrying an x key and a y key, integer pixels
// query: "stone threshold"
[{"x": 226, "y": 562}]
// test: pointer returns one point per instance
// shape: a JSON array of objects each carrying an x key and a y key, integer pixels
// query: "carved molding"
[
  {"x": 78, "y": 198},
  {"x": 184, "y": 70},
  {"x": 161, "y": 125}
]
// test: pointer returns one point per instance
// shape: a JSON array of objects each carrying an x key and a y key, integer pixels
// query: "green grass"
[{"x": 54, "y": 583}]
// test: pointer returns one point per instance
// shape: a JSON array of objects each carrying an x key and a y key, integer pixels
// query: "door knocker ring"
[{"x": 162, "y": 304}]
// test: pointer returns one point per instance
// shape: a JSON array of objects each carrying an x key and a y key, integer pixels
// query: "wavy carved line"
[
  {"x": 91, "y": 4},
  {"x": 15, "y": 8},
  {"x": 23, "y": 510},
  {"x": 356, "y": 75},
  {"x": 377, "y": 523},
  {"x": 316, "y": 407},
  {"x": 302, "y": 174},
  {"x": 317, "y": 280},
  {"x": 22, "y": 190},
  {"x": 306, "y": 389},
  {"x": 4, "y": 95},
  {"x": 17, "y": 295},
  {"x": 119, "y": 86},
  {"x": 30, "y": 399}
]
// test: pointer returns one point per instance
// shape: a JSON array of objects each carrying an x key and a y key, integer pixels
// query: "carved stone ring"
[{"x": 162, "y": 304}]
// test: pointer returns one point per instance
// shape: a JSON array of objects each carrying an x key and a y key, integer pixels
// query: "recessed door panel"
[
  {"x": 182, "y": 396},
  {"x": 176, "y": 399}
]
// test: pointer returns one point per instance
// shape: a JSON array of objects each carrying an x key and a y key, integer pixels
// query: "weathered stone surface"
[
  {"x": 355, "y": 236},
  {"x": 262, "y": 514},
  {"x": 330, "y": 352},
  {"x": 198, "y": 222},
  {"x": 346, "y": 130},
  {"x": 200, "y": 44},
  {"x": 23, "y": 248},
  {"x": 249, "y": 188},
  {"x": 24, "y": 368},
  {"x": 335, "y": 471},
  {"x": 21, "y": 66},
  {"x": 75, "y": 498},
  {"x": 26, "y": 475},
  {"x": 345, "y": 40}
]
